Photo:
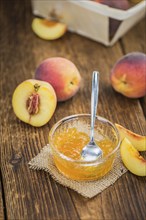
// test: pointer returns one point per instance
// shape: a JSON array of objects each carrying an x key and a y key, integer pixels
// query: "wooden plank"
[
  {"x": 134, "y": 40},
  {"x": 35, "y": 195},
  {"x": 143, "y": 104},
  {"x": 1, "y": 203}
]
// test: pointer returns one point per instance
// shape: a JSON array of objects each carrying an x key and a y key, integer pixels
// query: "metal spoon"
[{"x": 92, "y": 151}]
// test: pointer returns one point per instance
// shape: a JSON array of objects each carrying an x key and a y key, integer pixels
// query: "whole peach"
[
  {"x": 62, "y": 74},
  {"x": 128, "y": 75}
]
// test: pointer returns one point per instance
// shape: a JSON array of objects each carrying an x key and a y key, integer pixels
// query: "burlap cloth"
[{"x": 88, "y": 189}]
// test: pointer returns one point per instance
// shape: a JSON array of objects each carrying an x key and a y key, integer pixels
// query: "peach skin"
[
  {"x": 128, "y": 75},
  {"x": 138, "y": 141},
  {"x": 62, "y": 74}
]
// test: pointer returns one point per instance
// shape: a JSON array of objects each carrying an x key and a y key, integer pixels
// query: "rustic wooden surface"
[{"x": 27, "y": 194}]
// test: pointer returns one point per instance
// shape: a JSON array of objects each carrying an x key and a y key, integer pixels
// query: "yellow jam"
[{"x": 70, "y": 143}]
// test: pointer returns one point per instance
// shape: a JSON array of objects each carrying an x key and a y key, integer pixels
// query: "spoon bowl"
[{"x": 92, "y": 151}]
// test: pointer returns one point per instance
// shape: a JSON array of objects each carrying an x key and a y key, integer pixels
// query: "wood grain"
[
  {"x": 1, "y": 202},
  {"x": 35, "y": 195}
]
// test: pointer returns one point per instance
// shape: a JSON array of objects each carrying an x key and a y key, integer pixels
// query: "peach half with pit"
[
  {"x": 48, "y": 30},
  {"x": 62, "y": 74},
  {"x": 131, "y": 158},
  {"x": 138, "y": 141},
  {"x": 128, "y": 75},
  {"x": 34, "y": 102}
]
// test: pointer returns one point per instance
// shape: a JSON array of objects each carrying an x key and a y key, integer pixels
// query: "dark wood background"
[{"x": 27, "y": 194}]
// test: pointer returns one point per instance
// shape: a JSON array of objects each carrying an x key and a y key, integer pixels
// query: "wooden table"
[{"x": 27, "y": 194}]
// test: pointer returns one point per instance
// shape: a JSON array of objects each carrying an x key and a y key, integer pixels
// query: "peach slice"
[
  {"x": 48, "y": 30},
  {"x": 131, "y": 158},
  {"x": 138, "y": 141},
  {"x": 34, "y": 102}
]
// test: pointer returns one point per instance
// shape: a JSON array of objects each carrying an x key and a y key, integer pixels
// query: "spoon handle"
[{"x": 94, "y": 101}]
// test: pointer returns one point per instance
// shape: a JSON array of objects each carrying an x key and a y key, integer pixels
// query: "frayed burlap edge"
[{"x": 88, "y": 189}]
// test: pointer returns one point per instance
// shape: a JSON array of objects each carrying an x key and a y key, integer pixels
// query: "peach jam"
[{"x": 70, "y": 143}]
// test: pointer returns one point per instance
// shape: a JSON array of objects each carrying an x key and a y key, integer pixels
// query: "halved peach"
[
  {"x": 138, "y": 141},
  {"x": 48, "y": 30},
  {"x": 34, "y": 102},
  {"x": 131, "y": 158}
]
